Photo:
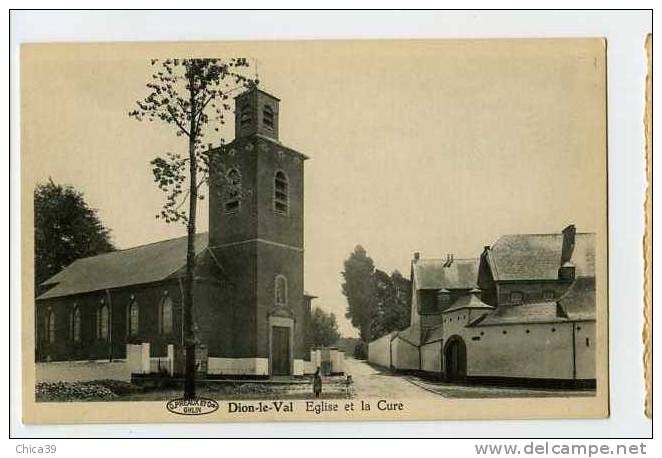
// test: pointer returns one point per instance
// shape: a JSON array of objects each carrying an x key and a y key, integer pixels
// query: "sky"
[{"x": 435, "y": 146}]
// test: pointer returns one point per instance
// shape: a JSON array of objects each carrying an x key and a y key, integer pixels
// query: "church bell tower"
[{"x": 256, "y": 233}]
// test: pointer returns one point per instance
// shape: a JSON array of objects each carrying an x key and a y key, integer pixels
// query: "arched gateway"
[{"x": 455, "y": 359}]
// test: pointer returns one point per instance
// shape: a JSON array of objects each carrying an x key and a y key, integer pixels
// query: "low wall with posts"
[
  {"x": 139, "y": 361},
  {"x": 329, "y": 360},
  {"x": 310, "y": 367},
  {"x": 336, "y": 356},
  {"x": 238, "y": 366},
  {"x": 82, "y": 371}
]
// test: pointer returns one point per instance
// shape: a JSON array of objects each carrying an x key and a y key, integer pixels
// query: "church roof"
[
  {"x": 538, "y": 256},
  {"x": 142, "y": 264},
  {"x": 431, "y": 274}
]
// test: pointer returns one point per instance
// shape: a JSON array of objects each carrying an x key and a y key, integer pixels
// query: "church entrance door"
[{"x": 280, "y": 350}]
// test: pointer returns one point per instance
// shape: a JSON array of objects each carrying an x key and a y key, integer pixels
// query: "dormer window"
[
  {"x": 516, "y": 297},
  {"x": 245, "y": 117},
  {"x": 444, "y": 298},
  {"x": 268, "y": 117},
  {"x": 281, "y": 193}
]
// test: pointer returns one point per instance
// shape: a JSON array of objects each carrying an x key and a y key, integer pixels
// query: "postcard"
[{"x": 314, "y": 230}]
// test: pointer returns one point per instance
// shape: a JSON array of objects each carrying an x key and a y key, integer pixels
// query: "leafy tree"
[
  {"x": 65, "y": 229},
  {"x": 189, "y": 95},
  {"x": 392, "y": 298},
  {"x": 323, "y": 328},
  {"x": 359, "y": 289}
]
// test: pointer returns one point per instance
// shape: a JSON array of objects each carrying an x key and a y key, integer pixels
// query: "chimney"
[
  {"x": 417, "y": 256},
  {"x": 568, "y": 243},
  {"x": 449, "y": 260},
  {"x": 567, "y": 268}
]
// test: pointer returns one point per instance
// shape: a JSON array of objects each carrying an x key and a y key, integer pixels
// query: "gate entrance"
[{"x": 455, "y": 356}]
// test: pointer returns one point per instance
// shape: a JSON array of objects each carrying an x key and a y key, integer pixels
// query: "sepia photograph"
[{"x": 314, "y": 230}]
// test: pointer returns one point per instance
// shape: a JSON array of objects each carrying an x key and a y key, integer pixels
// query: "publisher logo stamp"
[{"x": 197, "y": 406}]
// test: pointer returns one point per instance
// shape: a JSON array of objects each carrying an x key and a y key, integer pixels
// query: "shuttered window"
[{"x": 281, "y": 198}]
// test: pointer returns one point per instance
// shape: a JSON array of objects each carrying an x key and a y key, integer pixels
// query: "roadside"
[
  {"x": 368, "y": 381},
  {"x": 448, "y": 390}
]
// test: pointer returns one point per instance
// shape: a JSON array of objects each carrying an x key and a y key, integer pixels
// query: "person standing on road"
[{"x": 317, "y": 383}]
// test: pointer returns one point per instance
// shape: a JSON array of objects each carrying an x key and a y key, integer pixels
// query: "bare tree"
[{"x": 192, "y": 96}]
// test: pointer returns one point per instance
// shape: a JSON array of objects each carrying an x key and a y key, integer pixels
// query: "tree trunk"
[{"x": 189, "y": 339}]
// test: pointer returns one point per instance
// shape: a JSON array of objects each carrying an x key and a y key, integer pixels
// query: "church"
[{"x": 250, "y": 309}]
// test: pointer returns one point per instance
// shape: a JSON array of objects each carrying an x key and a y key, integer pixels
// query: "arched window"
[
  {"x": 245, "y": 116},
  {"x": 232, "y": 191},
  {"x": 102, "y": 322},
  {"x": 75, "y": 324},
  {"x": 134, "y": 316},
  {"x": 268, "y": 116},
  {"x": 165, "y": 317},
  {"x": 280, "y": 290},
  {"x": 50, "y": 326},
  {"x": 280, "y": 192}
]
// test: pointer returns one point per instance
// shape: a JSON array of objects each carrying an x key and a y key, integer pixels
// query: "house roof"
[
  {"x": 541, "y": 312},
  {"x": 538, "y": 256},
  {"x": 412, "y": 334},
  {"x": 431, "y": 274},
  {"x": 578, "y": 302},
  {"x": 434, "y": 334},
  {"x": 138, "y": 265},
  {"x": 468, "y": 301}
]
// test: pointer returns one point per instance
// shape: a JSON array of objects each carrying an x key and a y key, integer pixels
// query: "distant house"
[
  {"x": 524, "y": 312},
  {"x": 250, "y": 308}
]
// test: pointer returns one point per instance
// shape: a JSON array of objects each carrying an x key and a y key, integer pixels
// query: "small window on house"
[
  {"x": 504, "y": 332},
  {"x": 280, "y": 290},
  {"x": 588, "y": 342},
  {"x": 579, "y": 328},
  {"x": 268, "y": 117},
  {"x": 50, "y": 326},
  {"x": 134, "y": 316},
  {"x": 553, "y": 329},
  {"x": 75, "y": 324},
  {"x": 166, "y": 316},
  {"x": 103, "y": 322},
  {"x": 516, "y": 297},
  {"x": 527, "y": 331},
  {"x": 548, "y": 295},
  {"x": 444, "y": 299},
  {"x": 232, "y": 191},
  {"x": 245, "y": 116},
  {"x": 281, "y": 193}
]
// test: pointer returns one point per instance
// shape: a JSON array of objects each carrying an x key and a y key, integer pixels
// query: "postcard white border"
[{"x": 625, "y": 33}]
